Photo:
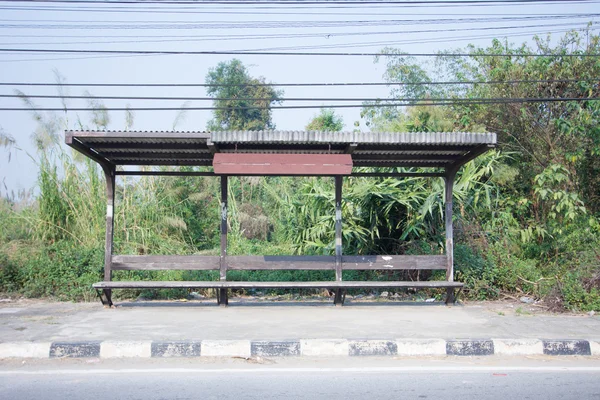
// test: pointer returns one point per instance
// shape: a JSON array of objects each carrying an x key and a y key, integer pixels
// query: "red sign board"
[{"x": 282, "y": 164}]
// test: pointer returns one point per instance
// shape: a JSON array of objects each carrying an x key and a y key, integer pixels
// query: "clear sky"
[{"x": 365, "y": 28}]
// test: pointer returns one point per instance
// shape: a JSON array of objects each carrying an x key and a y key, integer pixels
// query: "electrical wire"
[
  {"x": 487, "y": 18},
  {"x": 272, "y": 53},
  {"x": 292, "y": 36},
  {"x": 228, "y": 25},
  {"x": 307, "y": 84},
  {"x": 353, "y": 45},
  {"x": 270, "y": 99},
  {"x": 230, "y": 11},
  {"x": 413, "y": 102},
  {"x": 302, "y": 2}
]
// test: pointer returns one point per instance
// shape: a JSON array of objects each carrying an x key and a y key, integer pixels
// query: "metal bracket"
[
  {"x": 105, "y": 296},
  {"x": 451, "y": 296},
  {"x": 222, "y": 298},
  {"x": 339, "y": 297}
]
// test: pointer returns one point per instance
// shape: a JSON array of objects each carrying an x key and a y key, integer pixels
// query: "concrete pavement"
[{"x": 194, "y": 328}]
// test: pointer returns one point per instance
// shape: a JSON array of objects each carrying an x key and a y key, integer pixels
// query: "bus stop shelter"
[{"x": 280, "y": 153}]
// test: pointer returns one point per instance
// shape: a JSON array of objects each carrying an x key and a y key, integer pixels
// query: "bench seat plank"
[
  {"x": 280, "y": 263},
  {"x": 154, "y": 263},
  {"x": 393, "y": 262},
  {"x": 290, "y": 285},
  {"x": 195, "y": 262}
]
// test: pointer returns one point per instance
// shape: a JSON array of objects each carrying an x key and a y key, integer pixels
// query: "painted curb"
[
  {"x": 225, "y": 348},
  {"x": 303, "y": 347},
  {"x": 595, "y": 347},
  {"x": 25, "y": 350},
  {"x": 115, "y": 349},
  {"x": 324, "y": 347},
  {"x": 75, "y": 349},
  {"x": 267, "y": 348},
  {"x": 176, "y": 349},
  {"x": 521, "y": 347},
  {"x": 373, "y": 348},
  {"x": 421, "y": 347},
  {"x": 469, "y": 347},
  {"x": 567, "y": 348}
]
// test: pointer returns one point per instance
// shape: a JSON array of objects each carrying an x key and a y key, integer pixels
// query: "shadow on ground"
[{"x": 266, "y": 303}]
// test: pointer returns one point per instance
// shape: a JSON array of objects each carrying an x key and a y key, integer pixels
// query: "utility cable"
[
  {"x": 282, "y": 53},
  {"x": 417, "y": 102},
  {"x": 307, "y": 84}
]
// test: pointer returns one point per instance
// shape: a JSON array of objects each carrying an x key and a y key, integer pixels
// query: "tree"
[
  {"x": 540, "y": 134},
  {"x": 243, "y": 102},
  {"x": 327, "y": 120},
  {"x": 541, "y": 225}
]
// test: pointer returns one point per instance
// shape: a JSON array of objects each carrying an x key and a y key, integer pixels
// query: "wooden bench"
[{"x": 238, "y": 263}]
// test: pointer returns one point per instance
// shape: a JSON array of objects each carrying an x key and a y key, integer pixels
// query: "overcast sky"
[{"x": 205, "y": 27}]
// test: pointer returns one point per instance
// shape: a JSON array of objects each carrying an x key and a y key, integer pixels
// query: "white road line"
[{"x": 454, "y": 369}]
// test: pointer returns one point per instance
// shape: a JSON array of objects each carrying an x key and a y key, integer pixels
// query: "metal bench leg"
[
  {"x": 222, "y": 298},
  {"x": 340, "y": 297},
  {"x": 450, "y": 298},
  {"x": 105, "y": 297}
]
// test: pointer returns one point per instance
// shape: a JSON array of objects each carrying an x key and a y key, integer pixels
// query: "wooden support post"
[
  {"x": 222, "y": 293},
  {"x": 338, "y": 299},
  {"x": 109, "y": 173},
  {"x": 450, "y": 175}
]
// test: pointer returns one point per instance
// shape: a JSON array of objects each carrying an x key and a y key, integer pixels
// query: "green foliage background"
[{"x": 525, "y": 215}]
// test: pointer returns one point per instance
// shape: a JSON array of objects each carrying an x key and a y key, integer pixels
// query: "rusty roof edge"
[
  {"x": 426, "y": 138},
  {"x": 138, "y": 134},
  {"x": 276, "y": 136}
]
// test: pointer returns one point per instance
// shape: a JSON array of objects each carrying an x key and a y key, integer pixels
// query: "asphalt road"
[{"x": 319, "y": 380}]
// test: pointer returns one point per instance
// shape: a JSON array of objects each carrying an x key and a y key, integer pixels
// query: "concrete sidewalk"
[{"x": 261, "y": 322}]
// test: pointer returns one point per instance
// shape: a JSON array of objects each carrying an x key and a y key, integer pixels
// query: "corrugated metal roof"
[
  {"x": 298, "y": 137},
  {"x": 438, "y": 149}
]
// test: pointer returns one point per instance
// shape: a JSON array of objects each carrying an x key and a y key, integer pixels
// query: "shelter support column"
[
  {"x": 339, "y": 293},
  {"x": 222, "y": 293},
  {"x": 449, "y": 177},
  {"x": 109, "y": 174}
]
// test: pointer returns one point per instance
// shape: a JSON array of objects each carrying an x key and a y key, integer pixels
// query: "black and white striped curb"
[{"x": 296, "y": 348}]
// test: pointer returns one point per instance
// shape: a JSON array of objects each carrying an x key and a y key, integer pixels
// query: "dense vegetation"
[{"x": 526, "y": 215}]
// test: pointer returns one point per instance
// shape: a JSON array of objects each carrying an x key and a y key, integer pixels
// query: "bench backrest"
[{"x": 236, "y": 263}]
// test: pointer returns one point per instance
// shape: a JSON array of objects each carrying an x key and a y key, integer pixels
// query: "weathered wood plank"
[
  {"x": 208, "y": 265},
  {"x": 281, "y": 262},
  {"x": 393, "y": 262},
  {"x": 128, "y": 263},
  {"x": 338, "y": 299},
  {"x": 283, "y": 285},
  {"x": 132, "y": 259},
  {"x": 222, "y": 296},
  {"x": 450, "y": 175},
  {"x": 195, "y": 262},
  {"x": 338, "y": 227},
  {"x": 275, "y": 164},
  {"x": 109, "y": 173}
]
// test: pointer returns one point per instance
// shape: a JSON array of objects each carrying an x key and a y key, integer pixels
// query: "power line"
[
  {"x": 302, "y": 84},
  {"x": 411, "y": 41},
  {"x": 237, "y": 11},
  {"x": 284, "y": 36},
  {"x": 270, "y": 99},
  {"x": 281, "y": 53},
  {"x": 327, "y": 35},
  {"x": 188, "y": 25},
  {"x": 467, "y": 18},
  {"x": 353, "y": 45},
  {"x": 413, "y": 102},
  {"x": 300, "y": 2}
]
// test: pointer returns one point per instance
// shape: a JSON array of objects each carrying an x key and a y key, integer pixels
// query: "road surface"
[{"x": 369, "y": 378}]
